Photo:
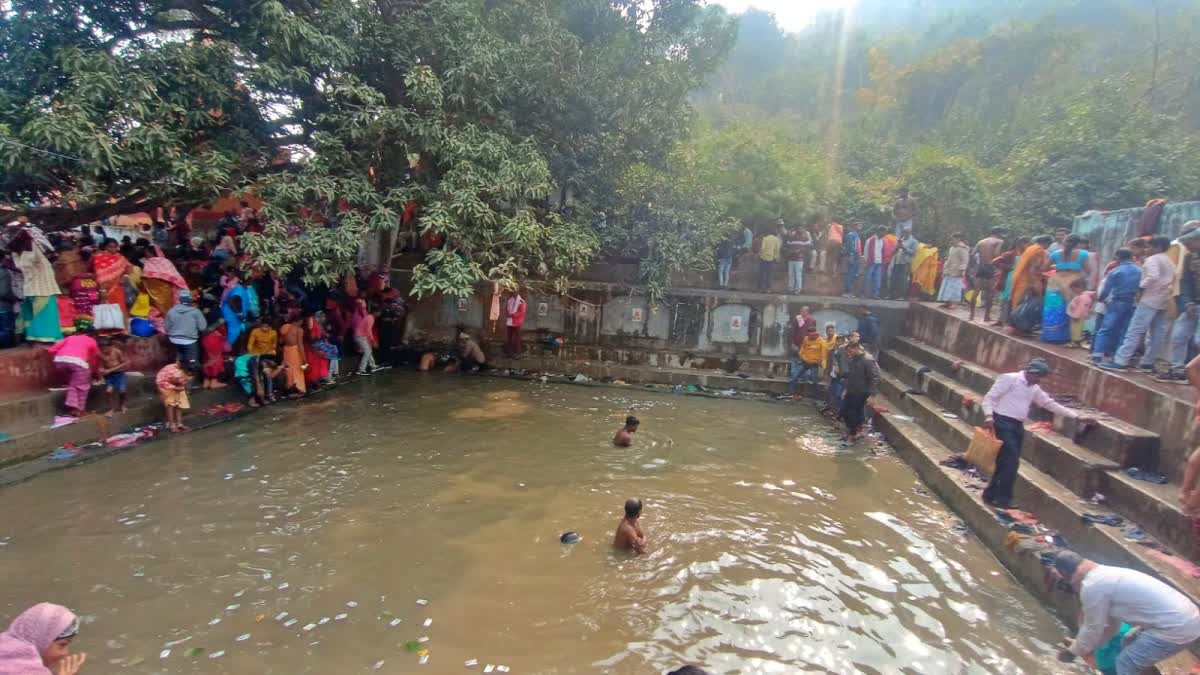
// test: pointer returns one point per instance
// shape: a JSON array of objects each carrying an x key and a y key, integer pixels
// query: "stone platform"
[{"x": 933, "y": 383}]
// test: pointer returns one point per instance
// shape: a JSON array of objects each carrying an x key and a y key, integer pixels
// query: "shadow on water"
[{"x": 300, "y": 540}]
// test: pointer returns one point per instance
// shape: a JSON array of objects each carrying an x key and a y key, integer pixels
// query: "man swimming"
[
  {"x": 629, "y": 533},
  {"x": 624, "y": 437}
]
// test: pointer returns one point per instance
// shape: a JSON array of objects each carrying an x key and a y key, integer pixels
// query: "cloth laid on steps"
[
  {"x": 956, "y": 462},
  {"x": 1133, "y": 533},
  {"x": 1146, "y": 475},
  {"x": 224, "y": 409},
  {"x": 1041, "y": 426},
  {"x": 1081, "y": 432},
  {"x": 1185, "y": 566},
  {"x": 1016, "y": 515},
  {"x": 1098, "y": 519}
]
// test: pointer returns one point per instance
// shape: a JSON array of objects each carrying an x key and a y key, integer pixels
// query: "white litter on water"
[
  {"x": 281, "y": 616},
  {"x": 164, "y": 653},
  {"x": 290, "y": 622},
  {"x": 423, "y": 639},
  {"x": 489, "y": 668},
  {"x": 352, "y": 604},
  {"x": 324, "y": 620},
  {"x": 503, "y": 669},
  {"x": 243, "y": 637},
  {"x": 239, "y": 594},
  {"x": 172, "y": 643},
  {"x": 341, "y": 616},
  {"x": 310, "y": 626},
  {"x": 471, "y": 663},
  {"x": 424, "y": 659},
  {"x": 282, "y": 587},
  {"x": 217, "y": 654},
  {"x": 215, "y": 621},
  {"x": 428, "y": 623},
  {"x": 422, "y": 602},
  {"x": 378, "y": 664},
  {"x": 394, "y": 622},
  {"x": 232, "y": 607}
]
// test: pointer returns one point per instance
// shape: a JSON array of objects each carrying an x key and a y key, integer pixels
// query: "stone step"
[
  {"x": 1119, "y": 441},
  {"x": 1085, "y": 472},
  {"x": 924, "y": 453},
  {"x": 1165, "y": 409},
  {"x": 22, "y": 412},
  {"x": 708, "y": 362},
  {"x": 1052, "y": 502}
]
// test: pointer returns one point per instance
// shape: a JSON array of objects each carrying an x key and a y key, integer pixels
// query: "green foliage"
[
  {"x": 1023, "y": 113},
  {"x": 670, "y": 218},
  {"x": 507, "y": 123}
]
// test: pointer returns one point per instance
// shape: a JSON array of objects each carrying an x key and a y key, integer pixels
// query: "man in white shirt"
[
  {"x": 1006, "y": 407},
  {"x": 1150, "y": 316},
  {"x": 1110, "y": 596}
]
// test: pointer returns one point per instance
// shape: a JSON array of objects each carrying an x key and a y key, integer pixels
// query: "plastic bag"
[{"x": 983, "y": 450}]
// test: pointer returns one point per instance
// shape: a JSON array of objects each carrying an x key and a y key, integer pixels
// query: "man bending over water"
[
  {"x": 629, "y": 532},
  {"x": 624, "y": 437}
]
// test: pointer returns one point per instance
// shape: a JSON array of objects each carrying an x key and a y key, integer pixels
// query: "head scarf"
[{"x": 29, "y": 635}]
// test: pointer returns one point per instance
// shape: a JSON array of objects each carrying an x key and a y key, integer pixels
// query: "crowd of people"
[{"x": 227, "y": 320}]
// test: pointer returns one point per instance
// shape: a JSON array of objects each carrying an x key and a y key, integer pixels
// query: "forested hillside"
[{"x": 1018, "y": 112}]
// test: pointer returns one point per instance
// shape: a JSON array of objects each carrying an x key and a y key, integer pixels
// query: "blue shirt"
[
  {"x": 1122, "y": 283},
  {"x": 850, "y": 245}
]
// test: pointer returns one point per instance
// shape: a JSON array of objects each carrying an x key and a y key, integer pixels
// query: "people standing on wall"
[
  {"x": 514, "y": 311},
  {"x": 724, "y": 254},
  {"x": 862, "y": 382},
  {"x": 831, "y": 248},
  {"x": 1005, "y": 408},
  {"x": 954, "y": 272},
  {"x": 983, "y": 270},
  {"x": 900, "y": 273},
  {"x": 768, "y": 257},
  {"x": 1114, "y": 305},
  {"x": 851, "y": 255},
  {"x": 1187, "y": 303},
  {"x": 1149, "y": 319},
  {"x": 878, "y": 252},
  {"x": 799, "y": 247},
  {"x": 1060, "y": 235},
  {"x": 904, "y": 211}
]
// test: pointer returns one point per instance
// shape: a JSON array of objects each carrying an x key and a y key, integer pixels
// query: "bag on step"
[{"x": 983, "y": 450}]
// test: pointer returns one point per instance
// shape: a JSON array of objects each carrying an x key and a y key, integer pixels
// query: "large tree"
[{"x": 505, "y": 123}]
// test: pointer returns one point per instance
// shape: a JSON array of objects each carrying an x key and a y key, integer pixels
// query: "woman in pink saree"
[
  {"x": 38, "y": 642},
  {"x": 161, "y": 281}
]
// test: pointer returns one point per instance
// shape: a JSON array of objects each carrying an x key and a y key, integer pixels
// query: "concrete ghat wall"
[
  {"x": 614, "y": 316},
  {"x": 26, "y": 369},
  {"x": 1170, "y": 417}
]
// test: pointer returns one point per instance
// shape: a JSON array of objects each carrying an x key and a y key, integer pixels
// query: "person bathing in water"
[
  {"x": 624, "y": 437},
  {"x": 629, "y": 534}
]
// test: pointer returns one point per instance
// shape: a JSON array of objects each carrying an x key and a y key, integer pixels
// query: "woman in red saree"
[
  {"x": 318, "y": 365},
  {"x": 110, "y": 266}
]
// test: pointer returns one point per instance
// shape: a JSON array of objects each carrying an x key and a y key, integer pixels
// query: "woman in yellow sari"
[
  {"x": 1027, "y": 275},
  {"x": 924, "y": 268}
]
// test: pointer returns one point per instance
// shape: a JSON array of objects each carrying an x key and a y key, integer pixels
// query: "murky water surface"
[{"x": 325, "y": 536}]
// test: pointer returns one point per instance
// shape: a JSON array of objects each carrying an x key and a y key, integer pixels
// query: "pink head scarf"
[{"x": 29, "y": 635}]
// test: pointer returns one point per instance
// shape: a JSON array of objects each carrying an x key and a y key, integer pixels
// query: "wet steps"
[
  {"x": 924, "y": 452},
  {"x": 1055, "y": 474},
  {"x": 1111, "y": 446}
]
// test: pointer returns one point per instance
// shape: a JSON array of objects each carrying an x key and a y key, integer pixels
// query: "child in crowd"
[
  {"x": 172, "y": 381},
  {"x": 264, "y": 339},
  {"x": 113, "y": 365},
  {"x": 1079, "y": 309}
]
